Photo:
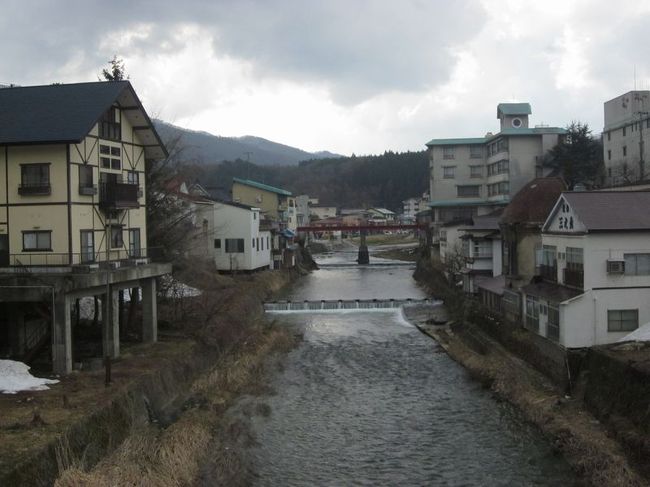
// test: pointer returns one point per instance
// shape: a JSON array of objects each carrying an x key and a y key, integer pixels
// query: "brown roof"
[
  {"x": 611, "y": 210},
  {"x": 534, "y": 202},
  {"x": 554, "y": 293}
]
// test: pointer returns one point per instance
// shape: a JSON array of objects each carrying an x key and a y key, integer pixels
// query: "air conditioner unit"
[{"x": 615, "y": 266}]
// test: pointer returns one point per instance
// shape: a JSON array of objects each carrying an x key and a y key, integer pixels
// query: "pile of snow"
[
  {"x": 641, "y": 334},
  {"x": 15, "y": 377},
  {"x": 177, "y": 289}
]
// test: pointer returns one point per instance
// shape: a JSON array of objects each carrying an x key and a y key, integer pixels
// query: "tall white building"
[
  {"x": 626, "y": 136},
  {"x": 473, "y": 176}
]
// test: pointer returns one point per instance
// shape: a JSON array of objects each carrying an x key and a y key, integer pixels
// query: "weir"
[{"x": 345, "y": 304}]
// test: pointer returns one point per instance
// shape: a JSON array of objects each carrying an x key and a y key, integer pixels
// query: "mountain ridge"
[{"x": 202, "y": 146}]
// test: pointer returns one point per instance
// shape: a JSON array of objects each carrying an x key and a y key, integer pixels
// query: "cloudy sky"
[{"x": 347, "y": 76}]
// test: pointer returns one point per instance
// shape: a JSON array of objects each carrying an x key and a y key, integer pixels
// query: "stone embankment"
[
  {"x": 597, "y": 419},
  {"x": 152, "y": 424}
]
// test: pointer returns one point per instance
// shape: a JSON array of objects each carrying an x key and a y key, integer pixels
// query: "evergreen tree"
[
  {"x": 578, "y": 157},
  {"x": 116, "y": 71}
]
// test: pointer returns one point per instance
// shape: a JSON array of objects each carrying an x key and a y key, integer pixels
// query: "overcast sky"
[{"x": 347, "y": 76}]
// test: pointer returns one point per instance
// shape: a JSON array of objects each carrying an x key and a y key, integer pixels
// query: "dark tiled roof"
[
  {"x": 611, "y": 210},
  {"x": 65, "y": 113},
  {"x": 534, "y": 202},
  {"x": 54, "y": 113},
  {"x": 551, "y": 292}
]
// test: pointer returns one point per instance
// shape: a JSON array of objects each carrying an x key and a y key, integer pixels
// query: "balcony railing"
[
  {"x": 548, "y": 272},
  {"x": 57, "y": 260},
  {"x": 35, "y": 189},
  {"x": 573, "y": 278},
  {"x": 116, "y": 195}
]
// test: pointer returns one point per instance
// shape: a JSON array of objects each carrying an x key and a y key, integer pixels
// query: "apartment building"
[
  {"x": 73, "y": 215},
  {"x": 475, "y": 176},
  {"x": 275, "y": 204},
  {"x": 626, "y": 138}
]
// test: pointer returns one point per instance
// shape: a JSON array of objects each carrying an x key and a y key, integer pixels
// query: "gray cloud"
[{"x": 357, "y": 49}]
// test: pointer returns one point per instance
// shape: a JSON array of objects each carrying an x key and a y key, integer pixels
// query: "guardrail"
[{"x": 63, "y": 259}]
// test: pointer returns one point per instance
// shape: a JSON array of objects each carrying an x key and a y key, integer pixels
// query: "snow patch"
[
  {"x": 641, "y": 334},
  {"x": 15, "y": 377}
]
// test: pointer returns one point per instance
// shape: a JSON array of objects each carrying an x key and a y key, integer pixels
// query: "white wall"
[{"x": 231, "y": 222}]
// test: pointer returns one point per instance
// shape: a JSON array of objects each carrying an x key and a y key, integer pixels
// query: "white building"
[
  {"x": 412, "y": 206},
  {"x": 381, "y": 215},
  {"x": 238, "y": 244},
  {"x": 481, "y": 247},
  {"x": 323, "y": 212},
  {"x": 626, "y": 136},
  {"x": 595, "y": 269},
  {"x": 473, "y": 176}
]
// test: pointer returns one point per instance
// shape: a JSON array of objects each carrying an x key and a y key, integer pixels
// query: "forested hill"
[
  {"x": 208, "y": 148},
  {"x": 364, "y": 181}
]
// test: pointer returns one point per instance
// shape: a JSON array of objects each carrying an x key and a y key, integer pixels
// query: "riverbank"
[
  {"x": 586, "y": 443},
  {"x": 154, "y": 420}
]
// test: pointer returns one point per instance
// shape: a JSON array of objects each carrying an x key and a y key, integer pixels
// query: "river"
[{"x": 366, "y": 399}]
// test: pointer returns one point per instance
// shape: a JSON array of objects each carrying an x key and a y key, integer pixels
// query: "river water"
[{"x": 366, "y": 399}]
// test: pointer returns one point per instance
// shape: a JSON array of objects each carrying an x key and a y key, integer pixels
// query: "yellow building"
[
  {"x": 72, "y": 196},
  {"x": 275, "y": 204}
]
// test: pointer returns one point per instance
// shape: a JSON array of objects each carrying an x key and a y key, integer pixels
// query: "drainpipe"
[{"x": 595, "y": 319}]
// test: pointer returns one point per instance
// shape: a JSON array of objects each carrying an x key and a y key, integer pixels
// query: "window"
[
  {"x": 532, "y": 313},
  {"x": 609, "y": 156},
  {"x": 448, "y": 172},
  {"x": 267, "y": 243},
  {"x": 135, "y": 246},
  {"x": 609, "y": 136},
  {"x": 87, "y": 246},
  {"x": 217, "y": 243},
  {"x": 109, "y": 126},
  {"x": 468, "y": 191},
  {"x": 498, "y": 188},
  {"x": 622, "y": 319},
  {"x": 623, "y": 131},
  {"x": 37, "y": 240},
  {"x": 110, "y": 157},
  {"x": 117, "y": 239},
  {"x": 475, "y": 152},
  {"x": 133, "y": 177},
  {"x": 257, "y": 241},
  {"x": 553, "y": 322},
  {"x": 637, "y": 264},
  {"x": 86, "y": 181},
  {"x": 499, "y": 167},
  {"x": 448, "y": 152},
  {"x": 574, "y": 259},
  {"x": 482, "y": 248},
  {"x": 253, "y": 241},
  {"x": 34, "y": 179},
  {"x": 475, "y": 171},
  {"x": 234, "y": 245},
  {"x": 624, "y": 150}
]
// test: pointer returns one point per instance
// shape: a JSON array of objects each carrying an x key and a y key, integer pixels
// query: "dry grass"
[
  {"x": 173, "y": 456},
  {"x": 594, "y": 456}
]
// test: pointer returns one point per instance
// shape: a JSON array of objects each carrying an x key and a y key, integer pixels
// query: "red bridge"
[{"x": 354, "y": 228}]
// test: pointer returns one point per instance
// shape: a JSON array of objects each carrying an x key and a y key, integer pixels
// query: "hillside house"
[
  {"x": 595, "y": 272},
  {"x": 73, "y": 219},
  {"x": 481, "y": 246}
]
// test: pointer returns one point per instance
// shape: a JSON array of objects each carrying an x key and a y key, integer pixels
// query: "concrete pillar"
[
  {"x": 17, "y": 330},
  {"x": 61, "y": 335},
  {"x": 149, "y": 311},
  {"x": 364, "y": 257},
  {"x": 110, "y": 325}
]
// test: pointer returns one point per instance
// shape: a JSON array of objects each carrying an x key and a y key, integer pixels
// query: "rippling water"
[{"x": 366, "y": 399}]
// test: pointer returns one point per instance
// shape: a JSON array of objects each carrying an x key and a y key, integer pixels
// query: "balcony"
[
  {"x": 116, "y": 195},
  {"x": 41, "y": 188},
  {"x": 573, "y": 278},
  {"x": 548, "y": 272}
]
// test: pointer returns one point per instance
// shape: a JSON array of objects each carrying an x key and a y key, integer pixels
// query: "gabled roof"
[
  {"x": 383, "y": 211},
  {"x": 262, "y": 186},
  {"x": 513, "y": 109},
  {"x": 608, "y": 210},
  {"x": 533, "y": 202},
  {"x": 66, "y": 113}
]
